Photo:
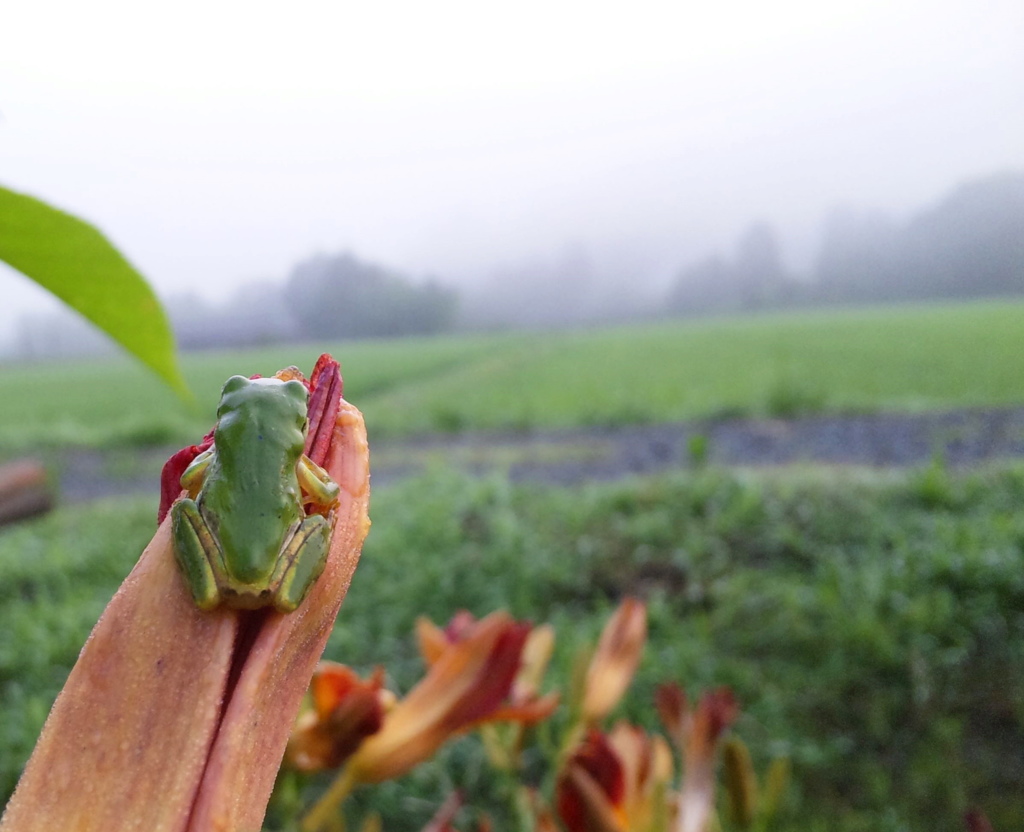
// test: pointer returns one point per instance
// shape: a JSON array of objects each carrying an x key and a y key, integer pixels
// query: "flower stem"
[{"x": 317, "y": 817}]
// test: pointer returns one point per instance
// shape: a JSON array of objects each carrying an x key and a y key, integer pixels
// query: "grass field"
[
  {"x": 872, "y": 628},
  {"x": 896, "y": 358}
]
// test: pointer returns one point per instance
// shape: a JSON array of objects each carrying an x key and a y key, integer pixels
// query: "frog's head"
[{"x": 287, "y": 400}]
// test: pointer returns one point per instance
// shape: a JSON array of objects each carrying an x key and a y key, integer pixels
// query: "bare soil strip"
[
  {"x": 959, "y": 438},
  {"x": 885, "y": 440}
]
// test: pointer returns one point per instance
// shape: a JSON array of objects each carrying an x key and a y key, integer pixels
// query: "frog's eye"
[
  {"x": 296, "y": 390},
  {"x": 233, "y": 384}
]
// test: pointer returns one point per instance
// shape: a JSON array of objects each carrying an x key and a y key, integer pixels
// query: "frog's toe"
[{"x": 306, "y": 556}]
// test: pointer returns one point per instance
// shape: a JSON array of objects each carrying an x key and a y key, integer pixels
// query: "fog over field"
[{"x": 218, "y": 146}]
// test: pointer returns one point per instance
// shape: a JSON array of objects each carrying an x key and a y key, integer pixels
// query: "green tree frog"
[{"x": 242, "y": 535}]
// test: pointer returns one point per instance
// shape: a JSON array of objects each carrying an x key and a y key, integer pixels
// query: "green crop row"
[{"x": 893, "y": 358}]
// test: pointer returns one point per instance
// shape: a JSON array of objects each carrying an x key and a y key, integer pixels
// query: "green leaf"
[{"x": 75, "y": 262}]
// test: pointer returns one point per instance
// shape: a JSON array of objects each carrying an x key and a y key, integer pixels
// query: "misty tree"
[
  {"x": 252, "y": 317},
  {"x": 564, "y": 290},
  {"x": 341, "y": 296},
  {"x": 969, "y": 245},
  {"x": 704, "y": 287},
  {"x": 755, "y": 279},
  {"x": 758, "y": 269},
  {"x": 60, "y": 333},
  {"x": 857, "y": 259}
]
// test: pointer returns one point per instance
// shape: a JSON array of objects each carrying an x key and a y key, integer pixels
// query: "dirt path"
[{"x": 960, "y": 438}]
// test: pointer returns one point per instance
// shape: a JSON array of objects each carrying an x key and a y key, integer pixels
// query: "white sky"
[{"x": 221, "y": 142}]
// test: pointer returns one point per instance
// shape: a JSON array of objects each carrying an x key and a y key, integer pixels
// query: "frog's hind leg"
[
  {"x": 301, "y": 563},
  {"x": 193, "y": 544}
]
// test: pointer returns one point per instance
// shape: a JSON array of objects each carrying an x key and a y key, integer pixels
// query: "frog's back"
[{"x": 259, "y": 439}]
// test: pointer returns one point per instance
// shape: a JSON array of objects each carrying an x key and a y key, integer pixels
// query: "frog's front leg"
[
  {"x": 193, "y": 476},
  {"x": 196, "y": 550},
  {"x": 302, "y": 560},
  {"x": 319, "y": 491}
]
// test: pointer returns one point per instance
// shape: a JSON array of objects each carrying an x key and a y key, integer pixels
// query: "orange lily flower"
[
  {"x": 674, "y": 711},
  {"x": 536, "y": 653},
  {"x": 346, "y": 710},
  {"x": 592, "y": 787},
  {"x": 434, "y": 640},
  {"x": 696, "y": 733},
  {"x": 615, "y": 661},
  {"x": 502, "y": 749},
  {"x": 467, "y": 685},
  {"x": 615, "y": 782},
  {"x": 647, "y": 762}
]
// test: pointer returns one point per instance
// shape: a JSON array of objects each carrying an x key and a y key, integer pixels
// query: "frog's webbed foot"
[
  {"x": 301, "y": 562},
  {"x": 319, "y": 491},
  {"x": 193, "y": 543}
]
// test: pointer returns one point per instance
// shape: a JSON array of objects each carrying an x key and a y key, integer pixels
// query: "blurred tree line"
[
  {"x": 328, "y": 297},
  {"x": 969, "y": 245}
]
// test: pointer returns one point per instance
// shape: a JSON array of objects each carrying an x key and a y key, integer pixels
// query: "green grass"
[
  {"x": 56, "y": 576},
  {"x": 108, "y": 402},
  {"x": 893, "y": 358},
  {"x": 872, "y": 626}
]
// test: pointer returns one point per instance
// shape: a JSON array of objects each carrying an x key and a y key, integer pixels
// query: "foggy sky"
[{"x": 219, "y": 143}]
